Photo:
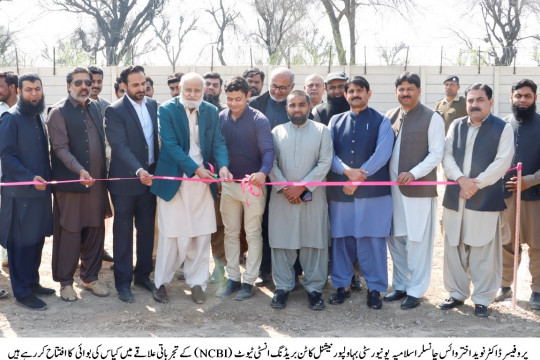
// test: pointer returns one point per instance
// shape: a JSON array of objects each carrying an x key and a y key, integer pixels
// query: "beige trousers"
[{"x": 234, "y": 204}]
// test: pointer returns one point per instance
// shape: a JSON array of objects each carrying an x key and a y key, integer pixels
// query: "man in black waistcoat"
[
  {"x": 478, "y": 151},
  {"x": 526, "y": 125},
  {"x": 26, "y": 211},
  {"x": 78, "y": 153}
]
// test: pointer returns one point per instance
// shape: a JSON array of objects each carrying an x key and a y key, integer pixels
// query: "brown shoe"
[
  {"x": 197, "y": 294},
  {"x": 97, "y": 288},
  {"x": 160, "y": 295}
]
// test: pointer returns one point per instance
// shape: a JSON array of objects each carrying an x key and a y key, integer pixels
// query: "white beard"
[{"x": 190, "y": 104}]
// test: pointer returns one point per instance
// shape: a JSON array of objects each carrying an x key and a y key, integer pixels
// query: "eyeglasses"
[
  {"x": 79, "y": 82},
  {"x": 280, "y": 88}
]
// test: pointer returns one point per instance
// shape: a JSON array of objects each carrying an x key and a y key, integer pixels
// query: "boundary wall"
[{"x": 381, "y": 79}]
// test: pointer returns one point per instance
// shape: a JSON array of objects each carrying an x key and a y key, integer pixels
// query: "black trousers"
[{"x": 140, "y": 209}]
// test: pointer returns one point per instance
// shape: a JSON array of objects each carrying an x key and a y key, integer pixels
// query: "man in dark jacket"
[
  {"x": 335, "y": 95},
  {"x": 131, "y": 124},
  {"x": 24, "y": 154}
]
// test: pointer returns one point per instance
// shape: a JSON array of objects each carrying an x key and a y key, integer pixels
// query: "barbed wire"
[{"x": 258, "y": 56}]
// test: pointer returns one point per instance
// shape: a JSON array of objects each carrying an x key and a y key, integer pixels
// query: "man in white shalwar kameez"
[
  {"x": 478, "y": 151},
  {"x": 298, "y": 215},
  {"x": 417, "y": 152},
  {"x": 190, "y": 139}
]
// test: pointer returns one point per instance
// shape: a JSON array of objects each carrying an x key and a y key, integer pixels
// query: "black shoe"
[
  {"x": 395, "y": 295},
  {"x": 40, "y": 290},
  {"x": 32, "y": 302},
  {"x": 534, "y": 301},
  {"x": 107, "y": 257},
  {"x": 374, "y": 299},
  {"x": 481, "y": 310},
  {"x": 160, "y": 295},
  {"x": 316, "y": 301},
  {"x": 410, "y": 302},
  {"x": 145, "y": 284},
  {"x": 230, "y": 287},
  {"x": 450, "y": 303},
  {"x": 279, "y": 301},
  {"x": 197, "y": 295},
  {"x": 126, "y": 296},
  {"x": 339, "y": 296},
  {"x": 356, "y": 284},
  {"x": 245, "y": 292},
  {"x": 504, "y": 293}
]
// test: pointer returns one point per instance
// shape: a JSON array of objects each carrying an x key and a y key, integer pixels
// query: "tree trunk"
[
  {"x": 336, "y": 33},
  {"x": 351, "y": 19}
]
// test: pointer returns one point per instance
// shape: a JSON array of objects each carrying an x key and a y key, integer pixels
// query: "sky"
[{"x": 425, "y": 31}]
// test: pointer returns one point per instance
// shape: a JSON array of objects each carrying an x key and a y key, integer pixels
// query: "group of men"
[{"x": 285, "y": 137}]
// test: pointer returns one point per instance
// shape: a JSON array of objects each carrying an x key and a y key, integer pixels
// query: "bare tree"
[
  {"x": 67, "y": 53},
  {"x": 316, "y": 45},
  {"x": 7, "y": 46},
  {"x": 391, "y": 56},
  {"x": 278, "y": 25},
  {"x": 504, "y": 26},
  {"x": 119, "y": 23},
  {"x": 224, "y": 18},
  {"x": 339, "y": 9},
  {"x": 165, "y": 36}
]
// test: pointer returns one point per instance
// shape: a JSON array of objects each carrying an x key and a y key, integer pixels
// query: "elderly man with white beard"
[{"x": 190, "y": 140}]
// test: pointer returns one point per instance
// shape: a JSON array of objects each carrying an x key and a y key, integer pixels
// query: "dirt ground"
[{"x": 92, "y": 316}]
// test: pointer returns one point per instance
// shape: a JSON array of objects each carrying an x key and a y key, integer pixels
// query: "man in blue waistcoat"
[{"x": 360, "y": 216}]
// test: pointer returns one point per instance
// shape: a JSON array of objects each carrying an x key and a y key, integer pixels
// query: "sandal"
[
  {"x": 67, "y": 293},
  {"x": 339, "y": 296},
  {"x": 316, "y": 301}
]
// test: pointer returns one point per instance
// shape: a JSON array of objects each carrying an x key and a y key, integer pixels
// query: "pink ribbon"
[{"x": 245, "y": 184}]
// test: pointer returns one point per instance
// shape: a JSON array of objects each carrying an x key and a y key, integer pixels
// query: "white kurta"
[
  {"x": 475, "y": 228},
  {"x": 414, "y": 219},
  {"x": 412, "y": 215},
  {"x": 191, "y": 211}
]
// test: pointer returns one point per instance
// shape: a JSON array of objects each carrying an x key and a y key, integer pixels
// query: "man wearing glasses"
[
  {"x": 335, "y": 94},
  {"x": 273, "y": 105},
  {"x": 78, "y": 153}
]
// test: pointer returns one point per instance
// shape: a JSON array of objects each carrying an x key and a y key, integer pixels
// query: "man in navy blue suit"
[
  {"x": 25, "y": 157},
  {"x": 131, "y": 128}
]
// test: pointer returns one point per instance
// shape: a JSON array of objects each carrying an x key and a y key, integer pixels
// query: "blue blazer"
[
  {"x": 129, "y": 150},
  {"x": 25, "y": 154},
  {"x": 174, "y": 159}
]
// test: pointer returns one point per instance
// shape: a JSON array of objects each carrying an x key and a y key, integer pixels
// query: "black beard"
[
  {"x": 28, "y": 108},
  {"x": 298, "y": 120},
  {"x": 254, "y": 92},
  {"x": 524, "y": 113},
  {"x": 214, "y": 100},
  {"x": 339, "y": 103}
]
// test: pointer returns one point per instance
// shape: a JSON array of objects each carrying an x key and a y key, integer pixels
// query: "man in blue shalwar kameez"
[{"x": 360, "y": 216}]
